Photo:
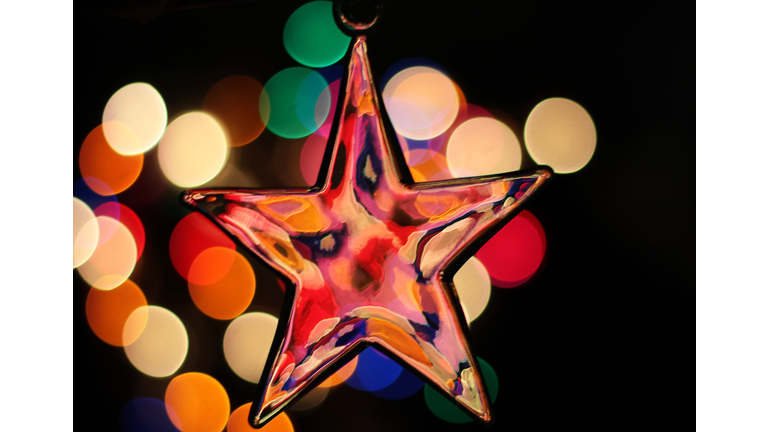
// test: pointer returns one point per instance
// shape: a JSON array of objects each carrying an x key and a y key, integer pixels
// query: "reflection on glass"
[
  {"x": 445, "y": 410},
  {"x": 365, "y": 254}
]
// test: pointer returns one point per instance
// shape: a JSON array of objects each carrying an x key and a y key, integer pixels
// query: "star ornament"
[{"x": 368, "y": 252}]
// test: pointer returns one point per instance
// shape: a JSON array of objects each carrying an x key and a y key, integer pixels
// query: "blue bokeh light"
[
  {"x": 374, "y": 371},
  {"x": 146, "y": 415},
  {"x": 406, "y": 384}
]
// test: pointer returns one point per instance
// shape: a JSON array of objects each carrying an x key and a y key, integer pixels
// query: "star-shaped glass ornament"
[{"x": 370, "y": 255}]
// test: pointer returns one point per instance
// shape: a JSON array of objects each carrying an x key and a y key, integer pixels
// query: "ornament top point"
[{"x": 359, "y": 17}]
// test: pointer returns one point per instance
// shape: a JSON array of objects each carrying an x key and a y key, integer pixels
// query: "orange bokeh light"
[
  {"x": 341, "y": 375},
  {"x": 107, "y": 311},
  {"x": 238, "y": 422},
  {"x": 199, "y": 402},
  {"x": 221, "y": 294},
  {"x": 234, "y": 101},
  {"x": 99, "y": 160}
]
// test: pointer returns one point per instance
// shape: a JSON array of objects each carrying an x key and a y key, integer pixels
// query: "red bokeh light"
[
  {"x": 513, "y": 255},
  {"x": 191, "y": 237}
]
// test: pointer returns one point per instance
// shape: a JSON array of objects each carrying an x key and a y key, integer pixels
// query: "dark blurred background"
[{"x": 597, "y": 340}]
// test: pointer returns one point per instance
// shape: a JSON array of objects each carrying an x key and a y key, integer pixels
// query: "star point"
[{"x": 367, "y": 254}]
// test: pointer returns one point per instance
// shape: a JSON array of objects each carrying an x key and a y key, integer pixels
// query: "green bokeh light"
[
  {"x": 289, "y": 104},
  {"x": 311, "y": 36},
  {"x": 447, "y": 410}
]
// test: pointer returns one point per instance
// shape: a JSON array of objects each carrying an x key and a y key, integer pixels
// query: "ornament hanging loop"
[{"x": 359, "y": 17}]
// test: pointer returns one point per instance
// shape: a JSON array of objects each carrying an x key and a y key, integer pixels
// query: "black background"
[{"x": 596, "y": 340}]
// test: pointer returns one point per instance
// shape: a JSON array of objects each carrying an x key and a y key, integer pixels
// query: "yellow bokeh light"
[
  {"x": 134, "y": 119},
  {"x": 481, "y": 146},
  {"x": 193, "y": 149},
  {"x": 421, "y": 102},
  {"x": 85, "y": 232},
  {"x": 561, "y": 134},
  {"x": 311, "y": 400},
  {"x": 473, "y": 285},
  {"x": 247, "y": 342},
  {"x": 113, "y": 259},
  {"x": 162, "y": 344}
]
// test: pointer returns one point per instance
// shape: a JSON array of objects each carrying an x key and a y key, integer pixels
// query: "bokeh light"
[
  {"x": 201, "y": 403},
  {"x": 408, "y": 63},
  {"x": 312, "y": 157},
  {"x": 234, "y": 102},
  {"x": 221, "y": 294},
  {"x": 162, "y": 344},
  {"x": 113, "y": 259},
  {"x": 147, "y": 415},
  {"x": 85, "y": 232},
  {"x": 561, "y": 134},
  {"x": 247, "y": 342},
  {"x": 312, "y": 37},
  {"x": 473, "y": 285},
  {"x": 84, "y": 193},
  {"x": 98, "y": 160},
  {"x": 333, "y": 93},
  {"x": 421, "y": 151},
  {"x": 108, "y": 311},
  {"x": 134, "y": 119},
  {"x": 482, "y": 146},
  {"x": 238, "y": 422},
  {"x": 513, "y": 254},
  {"x": 433, "y": 169},
  {"x": 193, "y": 149},
  {"x": 421, "y": 102},
  {"x": 191, "y": 236},
  {"x": 127, "y": 217},
  {"x": 374, "y": 371},
  {"x": 447, "y": 410},
  {"x": 341, "y": 375},
  {"x": 295, "y": 102},
  {"x": 311, "y": 400},
  {"x": 406, "y": 384}
]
